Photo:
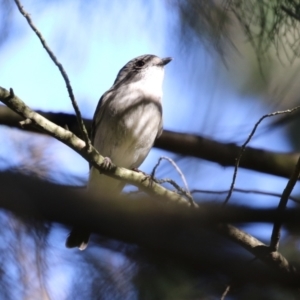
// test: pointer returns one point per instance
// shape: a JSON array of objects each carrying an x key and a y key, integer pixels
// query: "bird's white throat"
[{"x": 151, "y": 82}]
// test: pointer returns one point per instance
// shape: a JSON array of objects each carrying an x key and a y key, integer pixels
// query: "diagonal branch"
[{"x": 92, "y": 156}]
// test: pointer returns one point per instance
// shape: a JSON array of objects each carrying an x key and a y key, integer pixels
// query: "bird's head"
[{"x": 145, "y": 67}]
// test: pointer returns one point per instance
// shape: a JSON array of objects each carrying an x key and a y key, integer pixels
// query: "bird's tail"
[{"x": 100, "y": 185}]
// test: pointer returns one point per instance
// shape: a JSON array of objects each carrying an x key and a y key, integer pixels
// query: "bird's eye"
[{"x": 140, "y": 63}]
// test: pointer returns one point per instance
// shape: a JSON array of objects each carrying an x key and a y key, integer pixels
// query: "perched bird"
[{"x": 126, "y": 123}]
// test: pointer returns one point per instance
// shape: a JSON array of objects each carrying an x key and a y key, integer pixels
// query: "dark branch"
[
  {"x": 270, "y": 162},
  {"x": 282, "y": 206}
]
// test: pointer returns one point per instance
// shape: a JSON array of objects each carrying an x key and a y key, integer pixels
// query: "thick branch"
[
  {"x": 274, "y": 259},
  {"x": 275, "y": 163}
]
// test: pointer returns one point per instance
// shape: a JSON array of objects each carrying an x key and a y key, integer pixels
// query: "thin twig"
[
  {"x": 225, "y": 293},
  {"x": 179, "y": 172},
  {"x": 63, "y": 73},
  {"x": 245, "y": 192},
  {"x": 178, "y": 188},
  {"x": 274, "y": 244},
  {"x": 243, "y": 147},
  {"x": 185, "y": 192},
  {"x": 172, "y": 182}
]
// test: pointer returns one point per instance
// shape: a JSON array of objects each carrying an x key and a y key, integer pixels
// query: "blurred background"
[{"x": 233, "y": 62}]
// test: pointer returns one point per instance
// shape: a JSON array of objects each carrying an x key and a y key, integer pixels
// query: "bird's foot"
[{"x": 107, "y": 164}]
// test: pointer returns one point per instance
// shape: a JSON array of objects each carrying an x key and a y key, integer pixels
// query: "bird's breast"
[
  {"x": 140, "y": 128},
  {"x": 129, "y": 126}
]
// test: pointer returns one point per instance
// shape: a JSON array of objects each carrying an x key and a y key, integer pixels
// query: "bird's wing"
[
  {"x": 160, "y": 129},
  {"x": 98, "y": 115}
]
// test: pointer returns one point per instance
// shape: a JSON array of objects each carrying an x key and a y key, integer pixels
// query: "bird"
[{"x": 126, "y": 122}]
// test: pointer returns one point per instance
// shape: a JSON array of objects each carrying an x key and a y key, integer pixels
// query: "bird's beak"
[{"x": 166, "y": 60}]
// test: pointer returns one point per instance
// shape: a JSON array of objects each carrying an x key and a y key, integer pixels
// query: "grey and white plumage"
[{"x": 126, "y": 123}]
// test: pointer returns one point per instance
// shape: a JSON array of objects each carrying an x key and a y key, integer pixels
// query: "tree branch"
[
  {"x": 274, "y": 244},
  {"x": 62, "y": 71},
  {"x": 92, "y": 156},
  {"x": 243, "y": 147}
]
